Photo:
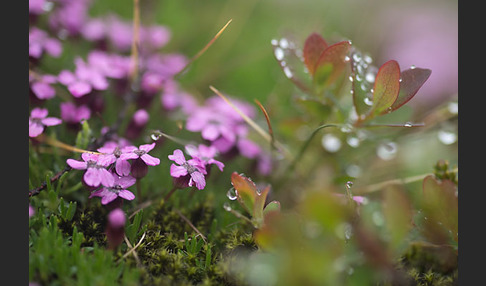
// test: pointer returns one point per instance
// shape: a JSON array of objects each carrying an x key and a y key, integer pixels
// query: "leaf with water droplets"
[
  {"x": 291, "y": 63},
  {"x": 246, "y": 191},
  {"x": 331, "y": 64},
  {"x": 386, "y": 88},
  {"x": 362, "y": 76},
  {"x": 412, "y": 81},
  {"x": 313, "y": 48}
]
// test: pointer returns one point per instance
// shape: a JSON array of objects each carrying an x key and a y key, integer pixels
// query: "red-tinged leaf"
[
  {"x": 412, "y": 81},
  {"x": 314, "y": 46},
  {"x": 386, "y": 88},
  {"x": 361, "y": 86},
  {"x": 331, "y": 64},
  {"x": 246, "y": 191}
]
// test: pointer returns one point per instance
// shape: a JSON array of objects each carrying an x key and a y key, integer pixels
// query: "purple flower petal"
[
  {"x": 150, "y": 160},
  {"x": 122, "y": 167},
  {"x": 178, "y": 157},
  {"x": 197, "y": 178},
  {"x": 43, "y": 90},
  {"x": 210, "y": 132},
  {"x": 128, "y": 149},
  {"x": 108, "y": 198},
  {"x": 35, "y": 129},
  {"x": 38, "y": 112},
  {"x": 116, "y": 218},
  {"x": 147, "y": 147},
  {"x": 106, "y": 178},
  {"x": 92, "y": 177},
  {"x": 79, "y": 88},
  {"x": 66, "y": 77},
  {"x": 177, "y": 171},
  {"x": 127, "y": 156},
  {"x": 126, "y": 181},
  {"x": 126, "y": 194},
  {"x": 51, "y": 121},
  {"x": 78, "y": 165}
]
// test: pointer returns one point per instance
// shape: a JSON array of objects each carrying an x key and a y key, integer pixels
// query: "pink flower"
[
  {"x": 205, "y": 155},
  {"x": 83, "y": 80},
  {"x": 113, "y": 151},
  {"x": 118, "y": 189},
  {"x": 38, "y": 120},
  {"x": 40, "y": 42},
  {"x": 71, "y": 113},
  {"x": 41, "y": 86},
  {"x": 132, "y": 152},
  {"x": 192, "y": 171},
  {"x": 95, "y": 165},
  {"x": 31, "y": 211},
  {"x": 115, "y": 229}
]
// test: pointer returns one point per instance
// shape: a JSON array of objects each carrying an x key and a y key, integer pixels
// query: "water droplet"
[
  {"x": 368, "y": 101},
  {"x": 351, "y": 79},
  {"x": 367, "y": 59},
  {"x": 288, "y": 72},
  {"x": 412, "y": 67},
  {"x": 353, "y": 141},
  {"x": 349, "y": 184},
  {"x": 453, "y": 107},
  {"x": 274, "y": 42},
  {"x": 408, "y": 124},
  {"x": 353, "y": 171},
  {"x": 363, "y": 87},
  {"x": 279, "y": 53},
  {"x": 357, "y": 57},
  {"x": 447, "y": 137},
  {"x": 400, "y": 80},
  {"x": 359, "y": 77},
  {"x": 346, "y": 59},
  {"x": 389, "y": 109},
  {"x": 155, "y": 136},
  {"x": 351, "y": 91},
  {"x": 387, "y": 151},
  {"x": 227, "y": 207},
  {"x": 331, "y": 143},
  {"x": 231, "y": 194},
  {"x": 284, "y": 43},
  {"x": 346, "y": 128},
  {"x": 370, "y": 77}
]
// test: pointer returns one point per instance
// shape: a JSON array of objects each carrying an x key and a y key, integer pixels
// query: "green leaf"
[
  {"x": 397, "y": 211},
  {"x": 271, "y": 207},
  {"x": 386, "y": 88},
  {"x": 412, "y": 81},
  {"x": 314, "y": 46},
  {"x": 259, "y": 205},
  {"x": 84, "y": 136},
  {"x": 70, "y": 211},
  {"x": 132, "y": 229}
]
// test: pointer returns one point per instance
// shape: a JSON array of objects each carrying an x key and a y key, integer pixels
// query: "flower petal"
[
  {"x": 178, "y": 157},
  {"x": 147, "y": 147},
  {"x": 127, "y": 156},
  {"x": 122, "y": 167},
  {"x": 197, "y": 178},
  {"x": 51, "y": 121},
  {"x": 108, "y": 198},
  {"x": 177, "y": 171},
  {"x": 150, "y": 160},
  {"x": 78, "y": 165},
  {"x": 126, "y": 194},
  {"x": 126, "y": 181},
  {"x": 92, "y": 178},
  {"x": 35, "y": 129},
  {"x": 106, "y": 177}
]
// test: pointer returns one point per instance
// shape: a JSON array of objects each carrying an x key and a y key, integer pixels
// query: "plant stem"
[{"x": 169, "y": 194}]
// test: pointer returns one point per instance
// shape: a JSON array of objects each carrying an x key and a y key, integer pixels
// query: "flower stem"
[{"x": 169, "y": 194}]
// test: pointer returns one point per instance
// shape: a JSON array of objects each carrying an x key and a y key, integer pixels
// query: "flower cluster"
[
  {"x": 187, "y": 173},
  {"x": 109, "y": 173}
]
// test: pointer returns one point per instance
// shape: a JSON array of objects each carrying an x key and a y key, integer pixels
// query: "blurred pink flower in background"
[{"x": 424, "y": 35}]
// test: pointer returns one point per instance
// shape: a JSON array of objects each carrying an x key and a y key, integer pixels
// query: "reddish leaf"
[
  {"x": 331, "y": 64},
  {"x": 412, "y": 80},
  {"x": 246, "y": 191},
  {"x": 291, "y": 63},
  {"x": 386, "y": 88},
  {"x": 313, "y": 48}
]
